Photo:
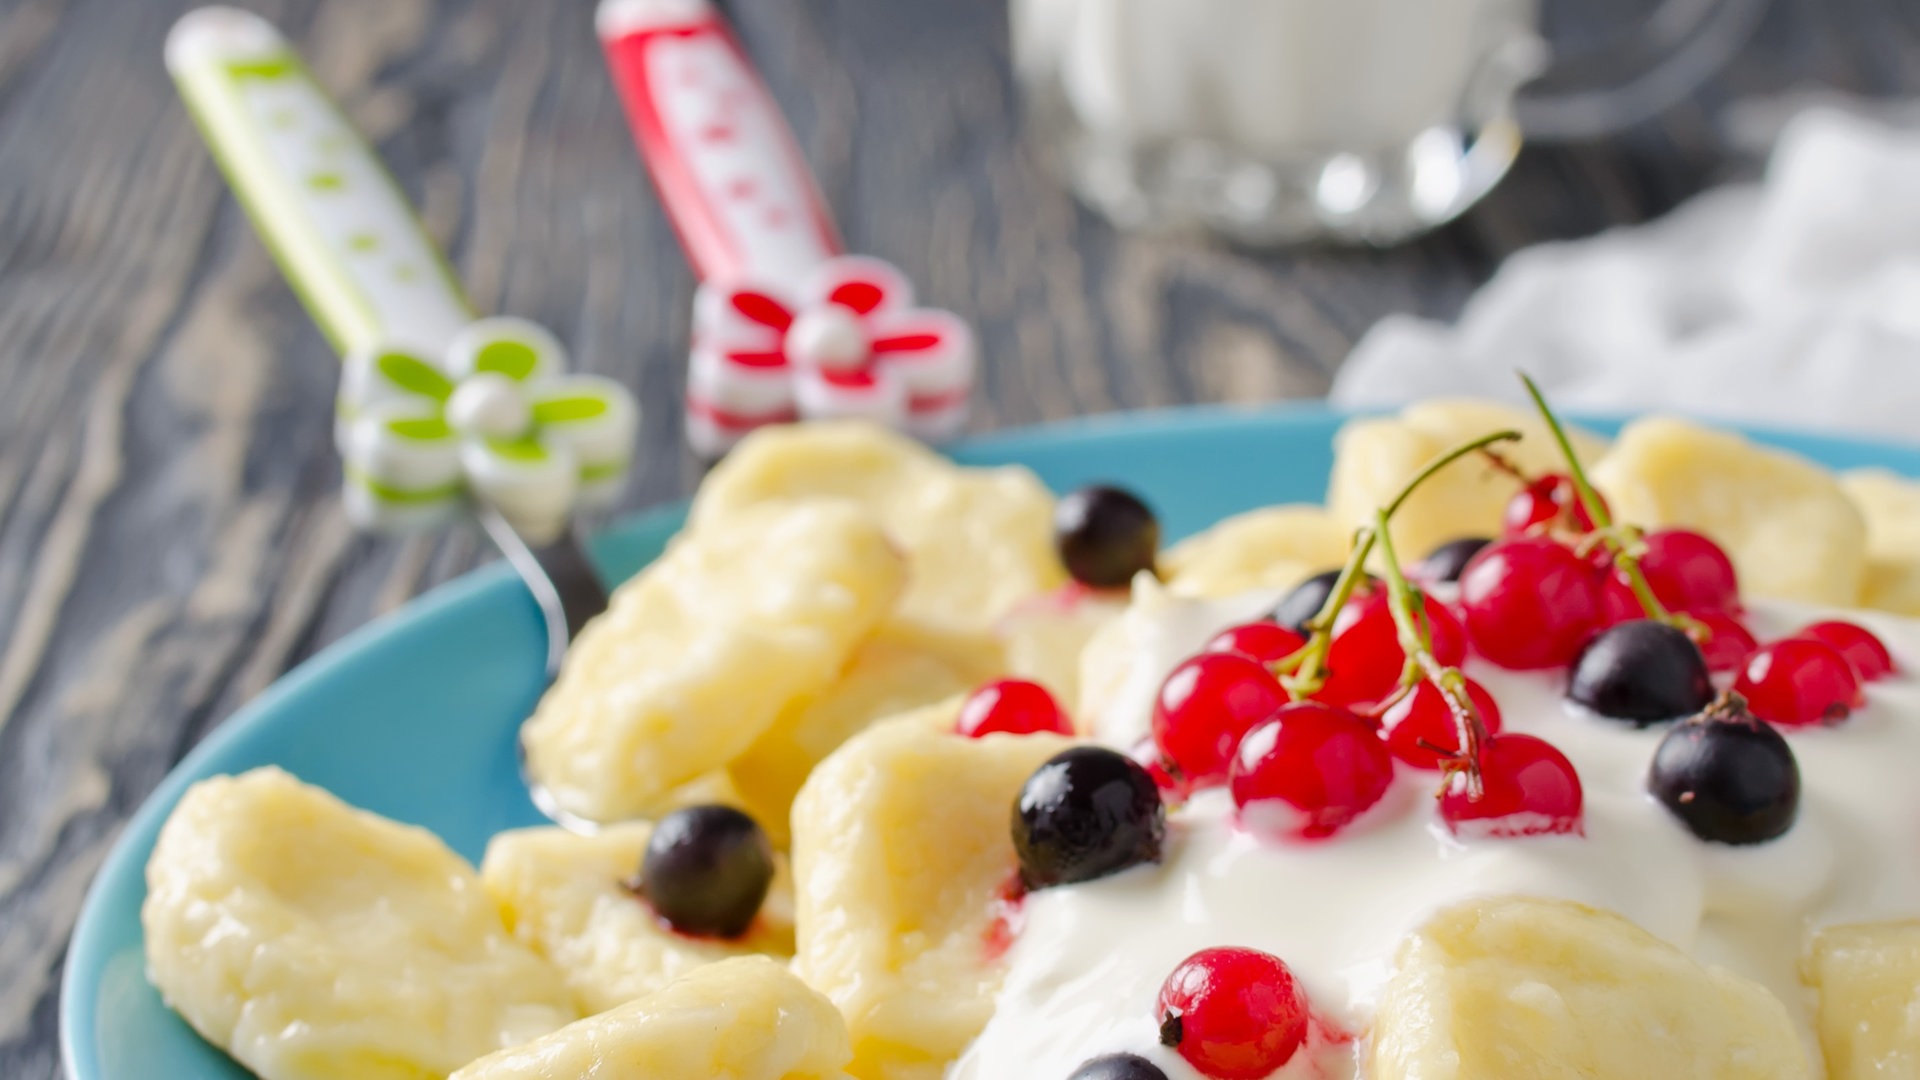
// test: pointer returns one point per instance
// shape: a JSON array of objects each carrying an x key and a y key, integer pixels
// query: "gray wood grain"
[{"x": 170, "y": 537}]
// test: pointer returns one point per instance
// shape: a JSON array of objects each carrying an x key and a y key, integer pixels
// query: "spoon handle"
[
  {"x": 728, "y": 167},
  {"x": 440, "y": 412},
  {"x": 344, "y": 235}
]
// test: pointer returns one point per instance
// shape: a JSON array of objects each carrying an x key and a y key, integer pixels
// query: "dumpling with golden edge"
[
  {"x": 901, "y": 668},
  {"x": 1790, "y": 530},
  {"x": 742, "y": 1019},
  {"x": 314, "y": 941},
  {"x": 1374, "y": 458},
  {"x": 979, "y": 540},
  {"x": 901, "y": 848},
  {"x": 1276, "y": 547},
  {"x": 697, "y": 656},
  {"x": 566, "y": 896},
  {"x": 1552, "y": 990},
  {"x": 1891, "y": 506},
  {"x": 1868, "y": 980}
]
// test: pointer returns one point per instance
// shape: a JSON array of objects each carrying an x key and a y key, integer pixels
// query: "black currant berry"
[
  {"x": 1446, "y": 562},
  {"x": 1729, "y": 777},
  {"x": 1307, "y": 598},
  {"x": 707, "y": 870},
  {"x": 1088, "y": 812},
  {"x": 1642, "y": 672},
  {"x": 1105, "y": 536},
  {"x": 1118, "y": 1067}
]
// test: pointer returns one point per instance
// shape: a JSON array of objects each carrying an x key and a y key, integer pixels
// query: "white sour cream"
[{"x": 1084, "y": 973}]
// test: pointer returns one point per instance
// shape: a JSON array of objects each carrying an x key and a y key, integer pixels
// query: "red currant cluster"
[
  {"x": 1815, "y": 676},
  {"x": 1301, "y": 766},
  {"x": 1306, "y": 724},
  {"x": 1538, "y": 597},
  {"x": 1533, "y": 599}
]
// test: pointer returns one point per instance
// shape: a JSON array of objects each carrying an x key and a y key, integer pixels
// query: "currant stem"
[
  {"x": 1309, "y": 674},
  {"x": 1308, "y": 666},
  {"x": 1483, "y": 443},
  {"x": 1416, "y": 640},
  {"x": 1624, "y": 558},
  {"x": 1504, "y": 464}
]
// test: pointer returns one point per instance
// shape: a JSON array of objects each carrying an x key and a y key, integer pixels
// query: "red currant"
[
  {"x": 1206, "y": 706},
  {"x": 1867, "y": 653},
  {"x": 1530, "y": 789},
  {"x": 1728, "y": 642},
  {"x": 1365, "y": 661},
  {"x": 1422, "y": 720},
  {"x": 1267, "y": 642},
  {"x": 1689, "y": 572},
  {"x": 1529, "y": 603},
  {"x": 1233, "y": 1014},
  {"x": 1308, "y": 772},
  {"x": 1549, "y": 502},
  {"x": 1012, "y": 707},
  {"x": 1618, "y": 603},
  {"x": 1797, "y": 682}
]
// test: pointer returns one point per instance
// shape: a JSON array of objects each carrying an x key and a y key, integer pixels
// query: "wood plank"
[{"x": 170, "y": 536}]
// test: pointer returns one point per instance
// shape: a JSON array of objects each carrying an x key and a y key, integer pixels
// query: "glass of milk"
[{"x": 1271, "y": 121}]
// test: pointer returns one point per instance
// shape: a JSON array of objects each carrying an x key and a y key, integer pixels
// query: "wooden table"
[{"x": 170, "y": 536}]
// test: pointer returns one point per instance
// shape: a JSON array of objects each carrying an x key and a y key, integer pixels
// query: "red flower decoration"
[{"x": 848, "y": 343}]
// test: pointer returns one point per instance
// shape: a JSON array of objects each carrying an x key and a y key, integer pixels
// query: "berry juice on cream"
[{"x": 1084, "y": 971}]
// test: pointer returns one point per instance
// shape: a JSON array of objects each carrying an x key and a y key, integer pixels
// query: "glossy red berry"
[
  {"x": 1233, "y": 1014},
  {"x": 1308, "y": 772},
  {"x": 1797, "y": 682},
  {"x": 1206, "y": 706},
  {"x": 1618, "y": 603},
  {"x": 1866, "y": 652},
  {"x": 1422, "y": 720},
  {"x": 1551, "y": 502},
  {"x": 1529, "y": 789},
  {"x": 1013, "y": 707},
  {"x": 1728, "y": 642},
  {"x": 1530, "y": 603},
  {"x": 1689, "y": 572},
  {"x": 1267, "y": 642},
  {"x": 1365, "y": 661}
]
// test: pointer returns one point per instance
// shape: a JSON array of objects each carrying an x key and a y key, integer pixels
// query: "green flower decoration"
[{"x": 499, "y": 422}]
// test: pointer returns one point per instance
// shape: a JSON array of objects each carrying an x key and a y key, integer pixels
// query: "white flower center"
[
  {"x": 489, "y": 405},
  {"x": 830, "y": 338}
]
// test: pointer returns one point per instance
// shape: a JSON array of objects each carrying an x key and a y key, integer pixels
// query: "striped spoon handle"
[
  {"x": 439, "y": 410},
  {"x": 786, "y": 325}
]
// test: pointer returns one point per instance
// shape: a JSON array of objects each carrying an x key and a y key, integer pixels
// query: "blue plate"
[{"x": 414, "y": 716}]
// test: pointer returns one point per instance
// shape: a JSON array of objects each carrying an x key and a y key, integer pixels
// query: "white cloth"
[{"x": 1794, "y": 302}]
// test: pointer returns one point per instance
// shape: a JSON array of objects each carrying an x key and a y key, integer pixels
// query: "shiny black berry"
[
  {"x": 1105, "y": 536},
  {"x": 1118, "y": 1067},
  {"x": 1088, "y": 812},
  {"x": 1728, "y": 777},
  {"x": 1445, "y": 562},
  {"x": 707, "y": 870},
  {"x": 1307, "y": 598},
  {"x": 1642, "y": 672}
]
